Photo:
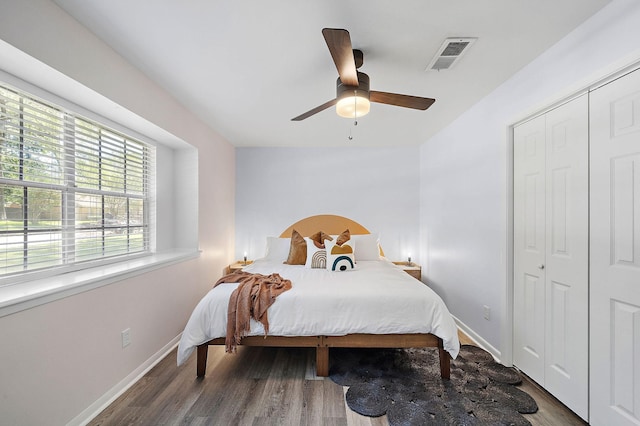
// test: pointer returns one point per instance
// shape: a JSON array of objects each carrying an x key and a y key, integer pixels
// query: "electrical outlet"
[
  {"x": 126, "y": 337},
  {"x": 487, "y": 312}
]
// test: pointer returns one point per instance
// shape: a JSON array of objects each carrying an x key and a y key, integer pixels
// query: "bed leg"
[
  {"x": 203, "y": 351},
  {"x": 322, "y": 361},
  {"x": 445, "y": 361}
]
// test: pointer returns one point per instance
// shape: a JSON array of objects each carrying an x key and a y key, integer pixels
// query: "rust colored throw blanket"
[{"x": 250, "y": 299}]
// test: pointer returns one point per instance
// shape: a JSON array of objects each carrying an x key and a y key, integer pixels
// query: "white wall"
[
  {"x": 59, "y": 358},
  {"x": 376, "y": 187},
  {"x": 463, "y": 169}
]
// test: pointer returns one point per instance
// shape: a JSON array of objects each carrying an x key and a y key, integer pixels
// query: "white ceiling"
[{"x": 247, "y": 67}]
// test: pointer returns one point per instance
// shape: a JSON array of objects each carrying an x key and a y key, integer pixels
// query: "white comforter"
[{"x": 376, "y": 297}]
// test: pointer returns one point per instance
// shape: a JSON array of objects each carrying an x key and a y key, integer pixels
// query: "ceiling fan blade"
[
  {"x": 315, "y": 110},
  {"x": 396, "y": 99},
  {"x": 339, "y": 44}
]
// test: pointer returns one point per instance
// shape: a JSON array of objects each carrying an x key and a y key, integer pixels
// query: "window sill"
[{"x": 18, "y": 297}]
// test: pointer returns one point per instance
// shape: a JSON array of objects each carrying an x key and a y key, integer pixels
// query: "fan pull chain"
[
  {"x": 355, "y": 116},
  {"x": 350, "y": 137},
  {"x": 355, "y": 108}
]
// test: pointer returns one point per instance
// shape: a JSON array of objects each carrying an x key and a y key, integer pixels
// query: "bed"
[{"x": 374, "y": 305}]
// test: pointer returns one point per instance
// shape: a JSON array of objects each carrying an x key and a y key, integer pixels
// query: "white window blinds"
[{"x": 71, "y": 190}]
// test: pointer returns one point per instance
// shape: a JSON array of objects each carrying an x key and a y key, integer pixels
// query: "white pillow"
[
  {"x": 340, "y": 258},
  {"x": 277, "y": 248},
  {"x": 367, "y": 247},
  {"x": 316, "y": 257}
]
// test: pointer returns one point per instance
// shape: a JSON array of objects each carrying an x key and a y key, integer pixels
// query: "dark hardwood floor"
[
  {"x": 260, "y": 386},
  {"x": 551, "y": 412}
]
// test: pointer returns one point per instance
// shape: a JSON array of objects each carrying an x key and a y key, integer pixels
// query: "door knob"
[{"x": 541, "y": 266}]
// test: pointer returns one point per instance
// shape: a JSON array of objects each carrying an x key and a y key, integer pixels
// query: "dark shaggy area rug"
[{"x": 405, "y": 385}]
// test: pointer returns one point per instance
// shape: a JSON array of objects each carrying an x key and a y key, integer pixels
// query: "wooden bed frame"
[{"x": 332, "y": 224}]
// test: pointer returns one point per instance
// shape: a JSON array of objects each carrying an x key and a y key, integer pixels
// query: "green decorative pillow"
[
  {"x": 340, "y": 257},
  {"x": 297, "y": 250}
]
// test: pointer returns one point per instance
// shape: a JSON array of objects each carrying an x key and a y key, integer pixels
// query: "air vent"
[{"x": 450, "y": 52}]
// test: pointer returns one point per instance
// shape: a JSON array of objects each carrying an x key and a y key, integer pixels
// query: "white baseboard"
[
  {"x": 477, "y": 339},
  {"x": 103, "y": 402}
]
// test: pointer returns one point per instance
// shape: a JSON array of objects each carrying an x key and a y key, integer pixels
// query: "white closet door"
[
  {"x": 567, "y": 255},
  {"x": 551, "y": 194},
  {"x": 615, "y": 252},
  {"x": 529, "y": 248}
]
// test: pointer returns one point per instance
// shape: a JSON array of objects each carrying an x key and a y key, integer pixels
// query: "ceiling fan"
[{"x": 353, "y": 96}]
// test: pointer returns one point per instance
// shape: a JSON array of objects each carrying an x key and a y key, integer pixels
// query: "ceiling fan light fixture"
[
  {"x": 353, "y": 101},
  {"x": 353, "y": 106}
]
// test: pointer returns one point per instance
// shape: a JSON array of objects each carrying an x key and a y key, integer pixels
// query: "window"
[{"x": 71, "y": 189}]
